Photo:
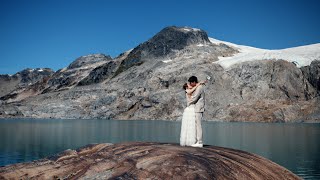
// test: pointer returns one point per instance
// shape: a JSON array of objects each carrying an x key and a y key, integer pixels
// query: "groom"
[{"x": 198, "y": 100}]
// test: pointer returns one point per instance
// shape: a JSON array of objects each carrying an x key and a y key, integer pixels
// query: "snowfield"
[{"x": 301, "y": 56}]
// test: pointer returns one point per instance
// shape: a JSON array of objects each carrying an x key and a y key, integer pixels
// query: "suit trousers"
[{"x": 199, "y": 116}]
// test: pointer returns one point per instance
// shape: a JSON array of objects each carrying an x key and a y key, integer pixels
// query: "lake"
[{"x": 295, "y": 146}]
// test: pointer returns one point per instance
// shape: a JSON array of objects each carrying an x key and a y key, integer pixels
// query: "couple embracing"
[{"x": 191, "y": 129}]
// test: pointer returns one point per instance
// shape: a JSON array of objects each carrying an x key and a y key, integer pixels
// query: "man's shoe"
[{"x": 197, "y": 145}]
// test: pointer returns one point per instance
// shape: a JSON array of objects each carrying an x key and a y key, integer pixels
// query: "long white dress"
[{"x": 188, "y": 127}]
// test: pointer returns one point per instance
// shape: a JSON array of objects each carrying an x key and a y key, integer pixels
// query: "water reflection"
[{"x": 294, "y": 146}]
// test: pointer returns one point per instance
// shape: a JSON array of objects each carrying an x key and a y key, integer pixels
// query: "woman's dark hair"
[
  {"x": 193, "y": 79},
  {"x": 185, "y": 86}
]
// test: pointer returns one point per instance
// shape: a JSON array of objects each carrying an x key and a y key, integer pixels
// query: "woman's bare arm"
[{"x": 190, "y": 91}]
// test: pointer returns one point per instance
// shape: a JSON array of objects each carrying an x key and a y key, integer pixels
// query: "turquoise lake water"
[{"x": 295, "y": 146}]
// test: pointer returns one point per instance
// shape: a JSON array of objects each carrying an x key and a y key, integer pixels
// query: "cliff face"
[
  {"x": 312, "y": 74},
  {"x": 272, "y": 91},
  {"x": 146, "y": 83}
]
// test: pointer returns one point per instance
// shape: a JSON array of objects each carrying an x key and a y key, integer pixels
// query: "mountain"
[
  {"x": 248, "y": 84},
  {"x": 13, "y": 86},
  {"x": 79, "y": 69}
]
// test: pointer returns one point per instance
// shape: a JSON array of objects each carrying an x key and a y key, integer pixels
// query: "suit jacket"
[{"x": 197, "y": 99}]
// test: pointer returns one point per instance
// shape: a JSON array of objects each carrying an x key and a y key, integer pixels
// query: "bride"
[{"x": 188, "y": 123}]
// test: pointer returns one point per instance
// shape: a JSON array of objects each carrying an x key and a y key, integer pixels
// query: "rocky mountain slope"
[
  {"x": 18, "y": 84},
  {"x": 248, "y": 84}
]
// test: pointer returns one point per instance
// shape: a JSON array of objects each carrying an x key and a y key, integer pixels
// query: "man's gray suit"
[{"x": 198, "y": 99}]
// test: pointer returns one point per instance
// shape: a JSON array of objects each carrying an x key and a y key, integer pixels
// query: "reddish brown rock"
[{"x": 140, "y": 160}]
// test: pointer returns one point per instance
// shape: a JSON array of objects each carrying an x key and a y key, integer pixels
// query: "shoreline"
[{"x": 213, "y": 121}]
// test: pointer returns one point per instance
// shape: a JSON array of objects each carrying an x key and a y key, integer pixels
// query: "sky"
[{"x": 53, "y": 33}]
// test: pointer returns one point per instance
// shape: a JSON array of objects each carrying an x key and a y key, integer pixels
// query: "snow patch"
[
  {"x": 190, "y": 29},
  {"x": 167, "y": 61},
  {"x": 186, "y": 29},
  {"x": 301, "y": 56}
]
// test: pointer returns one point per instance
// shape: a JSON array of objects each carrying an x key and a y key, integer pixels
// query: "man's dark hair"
[{"x": 193, "y": 79}]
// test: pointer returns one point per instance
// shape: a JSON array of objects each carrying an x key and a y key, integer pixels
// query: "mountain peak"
[
  {"x": 174, "y": 38},
  {"x": 89, "y": 59},
  {"x": 167, "y": 41}
]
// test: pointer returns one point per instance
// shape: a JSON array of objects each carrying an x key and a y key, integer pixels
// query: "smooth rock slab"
[{"x": 141, "y": 160}]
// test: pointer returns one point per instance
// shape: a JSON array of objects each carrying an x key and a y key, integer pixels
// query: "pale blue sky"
[{"x": 53, "y": 33}]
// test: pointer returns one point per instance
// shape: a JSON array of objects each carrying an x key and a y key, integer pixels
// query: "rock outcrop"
[
  {"x": 312, "y": 74},
  {"x": 100, "y": 73},
  {"x": 148, "y": 160}
]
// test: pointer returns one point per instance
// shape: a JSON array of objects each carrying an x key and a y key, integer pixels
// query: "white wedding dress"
[{"x": 188, "y": 127}]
